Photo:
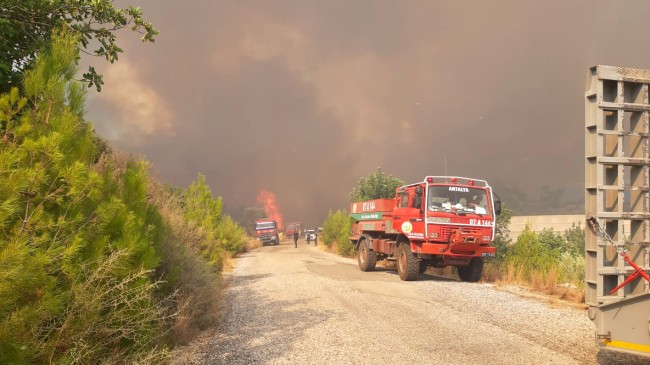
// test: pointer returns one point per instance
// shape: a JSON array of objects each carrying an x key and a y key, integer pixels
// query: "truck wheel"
[
  {"x": 423, "y": 266},
  {"x": 277, "y": 240},
  {"x": 408, "y": 264},
  {"x": 367, "y": 258},
  {"x": 472, "y": 272}
]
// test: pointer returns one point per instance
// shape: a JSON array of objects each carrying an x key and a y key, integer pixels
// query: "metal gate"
[{"x": 617, "y": 205}]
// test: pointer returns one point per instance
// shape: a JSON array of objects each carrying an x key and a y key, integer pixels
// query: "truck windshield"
[
  {"x": 264, "y": 225},
  {"x": 457, "y": 199}
]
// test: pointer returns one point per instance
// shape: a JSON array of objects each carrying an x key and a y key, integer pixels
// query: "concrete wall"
[{"x": 558, "y": 223}]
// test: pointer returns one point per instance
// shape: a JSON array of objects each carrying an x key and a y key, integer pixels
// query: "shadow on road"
[
  {"x": 606, "y": 357},
  {"x": 427, "y": 276},
  {"x": 243, "y": 280}
]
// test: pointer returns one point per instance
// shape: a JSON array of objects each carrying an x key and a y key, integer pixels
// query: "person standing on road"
[
  {"x": 315, "y": 239},
  {"x": 295, "y": 238},
  {"x": 308, "y": 237}
]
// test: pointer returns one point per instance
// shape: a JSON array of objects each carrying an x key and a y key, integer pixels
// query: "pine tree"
[
  {"x": 205, "y": 213},
  {"x": 78, "y": 240},
  {"x": 377, "y": 185}
]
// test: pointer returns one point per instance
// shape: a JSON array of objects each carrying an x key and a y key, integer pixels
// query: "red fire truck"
[
  {"x": 266, "y": 230},
  {"x": 441, "y": 221},
  {"x": 292, "y": 227}
]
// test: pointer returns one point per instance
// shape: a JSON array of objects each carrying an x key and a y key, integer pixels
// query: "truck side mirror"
[
  {"x": 497, "y": 204},
  {"x": 417, "y": 198},
  {"x": 417, "y": 201}
]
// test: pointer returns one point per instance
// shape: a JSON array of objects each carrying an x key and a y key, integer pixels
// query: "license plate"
[{"x": 488, "y": 254}]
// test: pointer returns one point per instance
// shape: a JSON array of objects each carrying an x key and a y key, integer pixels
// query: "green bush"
[
  {"x": 336, "y": 228},
  {"x": 332, "y": 227},
  {"x": 541, "y": 254},
  {"x": 502, "y": 242},
  {"x": 220, "y": 234},
  {"x": 343, "y": 244},
  {"x": 571, "y": 269},
  {"x": 231, "y": 235},
  {"x": 529, "y": 254},
  {"x": 575, "y": 241}
]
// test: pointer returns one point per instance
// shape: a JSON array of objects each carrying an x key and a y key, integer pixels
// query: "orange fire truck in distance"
[{"x": 441, "y": 221}]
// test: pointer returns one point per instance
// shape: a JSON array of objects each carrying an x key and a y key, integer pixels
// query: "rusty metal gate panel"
[{"x": 617, "y": 203}]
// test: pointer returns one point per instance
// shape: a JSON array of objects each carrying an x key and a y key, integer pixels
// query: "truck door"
[{"x": 408, "y": 213}]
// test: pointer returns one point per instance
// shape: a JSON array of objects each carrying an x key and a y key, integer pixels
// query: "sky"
[{"x": 302, "y": 98}]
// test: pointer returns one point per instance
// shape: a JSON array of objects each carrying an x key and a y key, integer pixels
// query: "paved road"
[{"x": 304, "y": 306}]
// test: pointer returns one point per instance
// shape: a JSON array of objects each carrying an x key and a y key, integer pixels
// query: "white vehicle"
[{"x": 310, "y": 234}]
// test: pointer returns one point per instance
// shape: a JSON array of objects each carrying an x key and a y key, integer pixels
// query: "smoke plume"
[{"x": 304, "y": 97}]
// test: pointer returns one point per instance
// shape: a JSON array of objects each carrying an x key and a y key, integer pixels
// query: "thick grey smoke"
[{"x": 301, "y": 98}]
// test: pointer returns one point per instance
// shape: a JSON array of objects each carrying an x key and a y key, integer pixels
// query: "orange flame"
[{"x": 267, "y": 199}]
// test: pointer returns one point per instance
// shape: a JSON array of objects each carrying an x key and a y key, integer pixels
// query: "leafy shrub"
[
  {"x": 332, "y": 227},
  {"x": 219, "y": 234},
  {"x": 231, "y": 235},
  {"x": 336, "y": 228},
  {"x": 529, "y": 254},
  {"x": 572, "y": 269},
  {"x": 343, "y": 245},
  {"x": 501, "y": 240},
  {"x": 575, "y": 241},
  {"x": 543, "y": 259}
]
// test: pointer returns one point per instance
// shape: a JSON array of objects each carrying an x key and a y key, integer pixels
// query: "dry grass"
[
  {"x": 332, "y": 248},
  {"x": 252, "y": 243},
  {"x": 229, "y": 260},
  {"x": 561, "y": 297},
  {"x": 197, "y": 286},
  {"x": 491, "y": 273},
  {"x": 391, "y": 264},
  {"x": 202, "y": 304},
  {"x": 105, "y": 311},
  {"x": 545, "y": 284}
]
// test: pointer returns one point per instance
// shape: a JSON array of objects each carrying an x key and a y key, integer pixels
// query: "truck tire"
[
  {"x": 277, "y": 240},
  {"x": 423, "y": 266},
  {"x": 408, "y": 265},
  {"x": 471, "y": 273},
  {"x": 367, "y": 257}
]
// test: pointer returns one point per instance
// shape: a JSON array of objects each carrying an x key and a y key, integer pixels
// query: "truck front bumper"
[{"x": 453, "y": 251}]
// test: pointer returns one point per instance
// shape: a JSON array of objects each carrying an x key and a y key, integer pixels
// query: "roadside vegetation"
[
  {"x": 99, "y": 261},
  {"x": 548, "y": 262},
  {"x": 336, "y": 233}
]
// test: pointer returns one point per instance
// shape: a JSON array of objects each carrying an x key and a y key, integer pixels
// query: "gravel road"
[{"x": 304, "y": 306}]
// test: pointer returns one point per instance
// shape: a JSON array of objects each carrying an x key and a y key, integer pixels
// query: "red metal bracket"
[{"x": 637, "y": 272}]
